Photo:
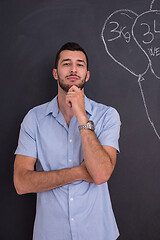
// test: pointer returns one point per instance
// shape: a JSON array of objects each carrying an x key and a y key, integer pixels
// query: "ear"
[
  {"x": 55, "y": 75},
  {"x": 88, "y": 76}
]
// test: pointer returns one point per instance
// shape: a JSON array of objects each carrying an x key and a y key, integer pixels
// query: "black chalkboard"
[{"x": 122, "y": 39}]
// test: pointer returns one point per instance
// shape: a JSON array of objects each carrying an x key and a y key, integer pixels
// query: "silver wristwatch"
[{"x": 88, "y": 125}]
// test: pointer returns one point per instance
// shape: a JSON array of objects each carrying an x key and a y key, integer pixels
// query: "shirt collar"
[
  {"x": 54, "y": 109},
  {"x": 88, "y": 106}
]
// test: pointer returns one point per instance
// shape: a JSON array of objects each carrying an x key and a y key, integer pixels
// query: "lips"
[{"x": 72, "y": 77}]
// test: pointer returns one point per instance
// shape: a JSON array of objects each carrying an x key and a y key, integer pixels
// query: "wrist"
[
  {"x": 78, "y": 173},
  {"x": 83, "y": 119},
  {"x": 89, "y": 125}
]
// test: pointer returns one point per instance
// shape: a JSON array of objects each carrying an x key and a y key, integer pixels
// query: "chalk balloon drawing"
[
  {"x": 146, "y": 32},
  {"x": 155, "y": 5},
  {"x": 129, "y": 38},
  {"x": 119, "y": 43}
]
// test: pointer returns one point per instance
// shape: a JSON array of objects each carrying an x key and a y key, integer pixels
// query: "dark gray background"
[{"x": 31, "y": 33}]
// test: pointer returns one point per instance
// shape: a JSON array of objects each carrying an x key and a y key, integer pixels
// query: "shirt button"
[
  {"x": 71, "y": 199},
  {"x": 72, "y": 219},
  {"x": 70, "y": 160},
  {"x": 70, "y": 140}
]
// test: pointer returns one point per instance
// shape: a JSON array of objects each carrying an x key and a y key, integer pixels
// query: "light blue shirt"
[{"x": 80, "y": 210}]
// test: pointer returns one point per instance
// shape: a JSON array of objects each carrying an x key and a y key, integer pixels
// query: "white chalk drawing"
[
  {"x": 155, "y": 5},
  {"x": 145, "y": 34},
  {"x": 129, "y": 38}
]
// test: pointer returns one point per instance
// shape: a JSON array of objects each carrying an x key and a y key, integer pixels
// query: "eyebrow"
[{"x": 68, "y": 59}]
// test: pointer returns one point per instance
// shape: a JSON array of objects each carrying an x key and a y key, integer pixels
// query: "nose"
[{"x": 73, "y": 68}]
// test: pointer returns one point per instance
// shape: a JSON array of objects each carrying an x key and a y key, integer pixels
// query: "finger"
[
  {"x": 74, "y": 88},
  {"x": 68, "y": 102},
  {"x": 71, "y": 93},
  {"x": 71, "y": 96}
]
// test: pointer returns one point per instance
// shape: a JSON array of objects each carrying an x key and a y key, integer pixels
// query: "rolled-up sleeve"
[
  {"x": 27, "y": 141},
  {"x": 110, "y": 130}
]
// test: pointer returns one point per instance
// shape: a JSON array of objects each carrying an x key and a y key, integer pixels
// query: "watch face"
[{"x": 91, "y": 125}]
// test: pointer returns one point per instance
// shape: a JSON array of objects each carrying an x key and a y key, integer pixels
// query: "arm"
[
  {"x": 99, "y": 160},
  {"x": 26, "y": 180}
]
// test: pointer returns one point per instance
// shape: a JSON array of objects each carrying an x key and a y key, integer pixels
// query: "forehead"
[{"x": 72, "y": 55}]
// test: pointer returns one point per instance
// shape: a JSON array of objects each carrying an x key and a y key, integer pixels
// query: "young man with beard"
[{"x": 73, "y": 141}]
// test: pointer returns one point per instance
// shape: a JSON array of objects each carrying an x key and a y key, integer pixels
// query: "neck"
[{"x": 65, "y": 110}]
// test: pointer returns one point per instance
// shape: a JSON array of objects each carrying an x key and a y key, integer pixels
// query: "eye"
[
  {"x": 80, "y": 65},
  {"x": 66, "y": 64}
]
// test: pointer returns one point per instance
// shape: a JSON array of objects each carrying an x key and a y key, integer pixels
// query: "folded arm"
[
  {"x": 99, "y": 160},
  {"x": 26, "y": 180}
]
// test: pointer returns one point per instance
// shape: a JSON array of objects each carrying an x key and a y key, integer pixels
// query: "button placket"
[
  {"x": 71, "y": 205},
  {"x": 70, "y": 145},
  {"x": 70, "y": 154},
  {"x": 71, "y": 193}
]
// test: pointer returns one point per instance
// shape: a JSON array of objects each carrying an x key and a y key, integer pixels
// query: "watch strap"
[{"x": 89, "y": 125}]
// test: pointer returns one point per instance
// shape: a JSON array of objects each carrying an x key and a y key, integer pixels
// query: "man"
[{"x": 73, "y": 141}]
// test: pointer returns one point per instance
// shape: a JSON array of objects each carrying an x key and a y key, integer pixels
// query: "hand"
[
  {"x": 85, "y": 173},
  {"x": 75, "y": 100}
]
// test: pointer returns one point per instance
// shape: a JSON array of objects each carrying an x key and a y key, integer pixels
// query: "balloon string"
[{"x": 140, "y": 79}]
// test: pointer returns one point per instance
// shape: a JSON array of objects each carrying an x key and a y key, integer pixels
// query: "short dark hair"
[{"x": 72, "y": 46}]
